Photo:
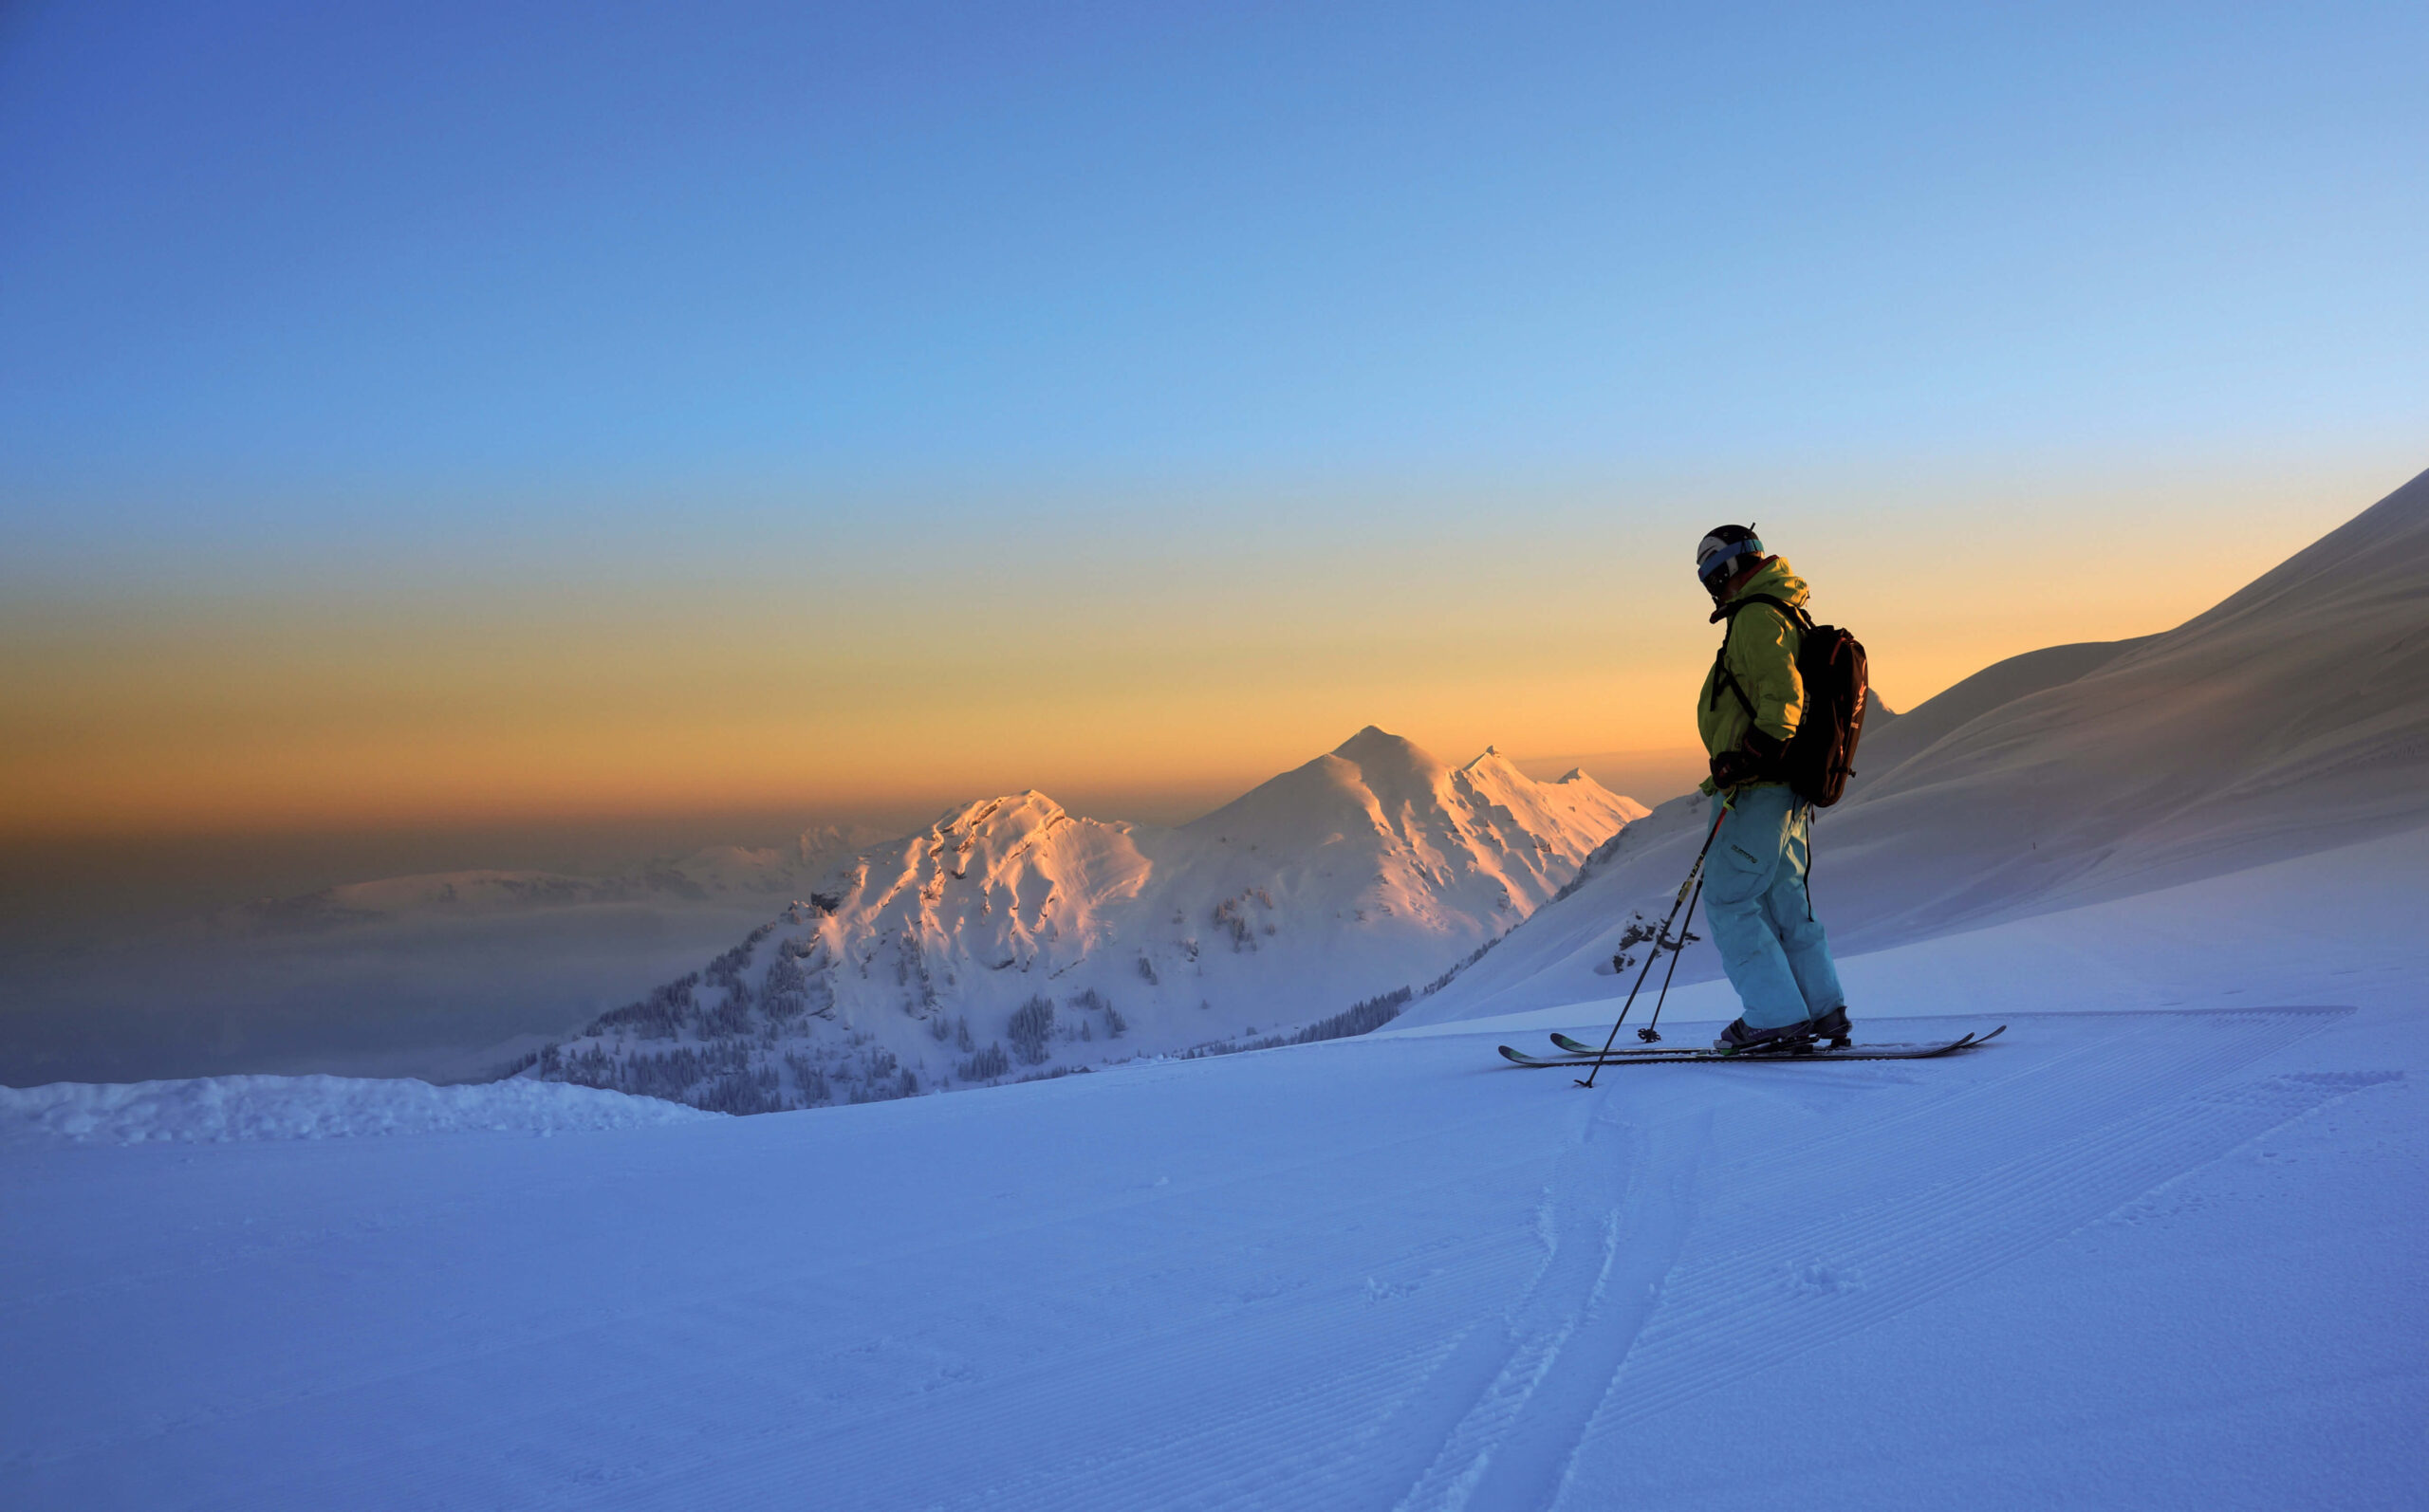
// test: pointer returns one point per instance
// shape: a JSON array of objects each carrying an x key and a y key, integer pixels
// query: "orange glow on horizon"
[{"x": 1117, "y": 671}]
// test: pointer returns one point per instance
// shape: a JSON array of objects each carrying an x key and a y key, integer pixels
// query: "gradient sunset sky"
[{"x": 447, "y": 412}]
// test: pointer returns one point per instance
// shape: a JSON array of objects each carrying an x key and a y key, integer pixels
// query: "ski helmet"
[{"x": 1723, "y": 554}]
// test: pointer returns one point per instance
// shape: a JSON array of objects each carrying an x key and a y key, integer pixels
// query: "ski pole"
[
  {"x": 1687, "y": 937},
  {"x": 1720, "y": 811}
]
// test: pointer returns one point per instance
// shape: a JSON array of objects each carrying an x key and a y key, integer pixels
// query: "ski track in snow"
[
  {"x": 1376, "y": 1275},
  {"x": 1617, "y": 1208},
  {"x": 1735, "y": 1307}
]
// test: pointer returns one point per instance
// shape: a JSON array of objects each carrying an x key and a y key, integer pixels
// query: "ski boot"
[
  {"x": 1739, "y": 1040},
  {"x": 1833, "y": 1028}
]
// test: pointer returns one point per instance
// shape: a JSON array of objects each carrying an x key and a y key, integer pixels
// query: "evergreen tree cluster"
[
  {"x": 669, "y": 1074},
  {"x": 784, "y": 996},
  {"x": 741, "y": 1092},
  {"x": 809, "y": 1078},
  {"x": 1593, "y": 863},
  {"x": 986, "y": 1065},
  {"x": 660, "y": 1016},
  {"x": 726, "y": 970},
  {"x": 726, "y": 1069},
  {"x": 1360, "y": 1018},
  {"x": 1464, "y": 961},
  {"x": 728, "y": 1018},
  {"x": 887, "y": 1089},
  {"x": 1233, "y": 915},
  {"x": 1095, "y": 1002},
  {"x": 1033, "y": 1022}
]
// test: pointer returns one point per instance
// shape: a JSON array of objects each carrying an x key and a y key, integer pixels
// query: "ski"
[
  {"x": 1681, "y": 1056},
  {"x": 1576, "y": 1046},
  {"x": 1579, "y": 1047},
  {"x": 1860, "y": 1052},
  {"x": 1588, "y": 1055}
]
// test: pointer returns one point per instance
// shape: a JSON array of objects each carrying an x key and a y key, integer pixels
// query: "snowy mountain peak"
[
  {"x": 1385, "y": 763},
  {"x": 1011, "y": 928},
  {"x": 1490, "y": 759},
  {"x": 1374, "y": 742},
  {"x": 1024, "y": 813}
]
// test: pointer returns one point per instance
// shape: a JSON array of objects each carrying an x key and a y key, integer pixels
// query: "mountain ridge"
[{"x": 1013, "y": 937}]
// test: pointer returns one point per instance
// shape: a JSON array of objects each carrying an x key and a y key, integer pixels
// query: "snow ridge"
[{"x": 220, "y": 1110}]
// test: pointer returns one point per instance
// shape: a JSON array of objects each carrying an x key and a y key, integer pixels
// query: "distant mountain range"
[
  {"x": 718, "y": 872},
  {"x": 1013, "y": 938}
]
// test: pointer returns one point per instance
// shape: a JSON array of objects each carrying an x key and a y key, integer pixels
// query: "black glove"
[{"x": 1757, "y": 759}]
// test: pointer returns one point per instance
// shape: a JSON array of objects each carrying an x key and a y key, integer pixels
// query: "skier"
[{"x": 1761, "y": 915}]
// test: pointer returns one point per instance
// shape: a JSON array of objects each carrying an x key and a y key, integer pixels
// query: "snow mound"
[{"x": 221, "y": 1109}]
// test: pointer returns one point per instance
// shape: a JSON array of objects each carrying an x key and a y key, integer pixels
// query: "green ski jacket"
[{"x": 1761, "y": 654}]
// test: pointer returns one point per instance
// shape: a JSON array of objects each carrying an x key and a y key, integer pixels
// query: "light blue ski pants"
[{"x": 1761, "y": 917}]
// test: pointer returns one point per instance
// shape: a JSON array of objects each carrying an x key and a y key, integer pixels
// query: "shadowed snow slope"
[
  {"x": 213, "y": 1109},
  {"x": 1013, "y": 938},
  {"x": 2160, "y": 1260},
  {"x": 2291, "y": 718}
]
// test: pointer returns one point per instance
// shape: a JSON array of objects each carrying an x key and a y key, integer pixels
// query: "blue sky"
[
  {"x": 1142, "y": 375},
  {"x": 263, "y": 246}
]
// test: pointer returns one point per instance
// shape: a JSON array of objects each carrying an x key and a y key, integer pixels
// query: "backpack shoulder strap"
[
  {"x": 1787, "y": 611},
  {"x": 1720, "y": 659}
]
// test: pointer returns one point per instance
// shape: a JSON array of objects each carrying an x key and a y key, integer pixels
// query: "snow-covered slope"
[
  {"x": 217, "y": 1109},
  {"x": 1012, "y": 937},
  {"x": 2160, "y": 1260},
  {"x": 2293, "y": 718}
]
